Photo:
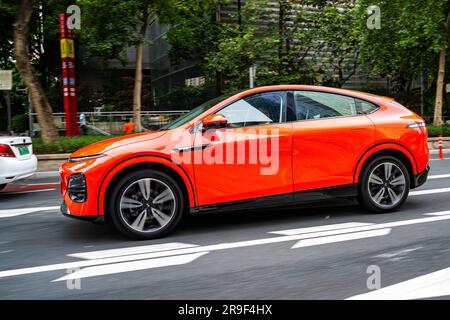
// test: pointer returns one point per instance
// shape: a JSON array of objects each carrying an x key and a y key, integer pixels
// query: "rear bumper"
[
  {"x": 12, "y": 169},
  {"x": 420, "y": 178},
  {"x": 65, "y": 211}
]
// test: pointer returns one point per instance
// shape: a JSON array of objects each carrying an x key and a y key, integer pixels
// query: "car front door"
[
  {"x": 329, "y": 136},
  {"x": 249, "y": 158}
]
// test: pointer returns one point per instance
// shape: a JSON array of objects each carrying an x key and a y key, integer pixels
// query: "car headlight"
[
  {"x": 78, "y": 159},
  {"x": 77, "y": 188},
  {"x": 416, "y": 125}
]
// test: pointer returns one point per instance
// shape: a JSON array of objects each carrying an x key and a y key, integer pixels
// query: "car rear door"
[{"x": 330, "y": 135}]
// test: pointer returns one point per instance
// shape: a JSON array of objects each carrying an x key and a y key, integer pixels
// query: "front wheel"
[
  {"x": 146, "y": 204},
  {"x": 384, "y": 185}
]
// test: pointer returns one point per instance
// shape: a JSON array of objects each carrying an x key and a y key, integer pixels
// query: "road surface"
[{"x": 336, "y": 251}]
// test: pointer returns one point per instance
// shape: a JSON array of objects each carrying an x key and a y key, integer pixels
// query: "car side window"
[
  {"x": 365, "y": 107},
  {"x": 258, "y": 109},
  {"x": 318, "y": 105}
]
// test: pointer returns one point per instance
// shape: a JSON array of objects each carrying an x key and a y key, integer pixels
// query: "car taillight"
[{"x": 5, "y": 151}]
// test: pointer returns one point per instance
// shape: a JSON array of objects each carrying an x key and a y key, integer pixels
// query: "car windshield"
[{"x": 195, "y": 112}]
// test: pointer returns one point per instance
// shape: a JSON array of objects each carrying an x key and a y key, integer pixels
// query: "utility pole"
[{"x": 252, "y": 76}]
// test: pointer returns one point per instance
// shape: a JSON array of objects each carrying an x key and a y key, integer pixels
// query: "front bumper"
[
  {"x": 65, "y": 211},
  {"x": 420, "y": 178}
]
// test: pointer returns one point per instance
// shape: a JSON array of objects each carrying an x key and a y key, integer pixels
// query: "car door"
[
  {"x": 249, "y": 158},
  {"x": 329, "y": 136}
]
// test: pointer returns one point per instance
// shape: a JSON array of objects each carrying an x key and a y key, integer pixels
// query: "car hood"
[{"x": 105, "y": 145}]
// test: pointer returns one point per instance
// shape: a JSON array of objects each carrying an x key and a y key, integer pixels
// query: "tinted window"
[
  {"x": 195, "y": 112},
  {"x": 364, "y": 107},
  {"x": 318, "y": 105},
  {"x": 259, "y": 109}
]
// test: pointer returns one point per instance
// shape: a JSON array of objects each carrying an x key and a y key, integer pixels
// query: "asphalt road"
[{"x": 258, "y": 255}]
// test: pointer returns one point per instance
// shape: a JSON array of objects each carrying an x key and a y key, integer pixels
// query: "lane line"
[
  {"x": 442, "y": 213},
  {"x": 131, "y": 250},
  {"x": 131, "y": 266},
  {"x": 439, "y": 176},
  {"x": 397, "y": 253},
  {"x": 435, "y": 284},
  {"x": 22, "y": 192},
  {"x": 7, "y": 213},
  {"x": 290, "y": 232},
  {"x": 215, "y": 247},
  {"x": 429, "y": 191},
  {"x": 341, "y": 238}
]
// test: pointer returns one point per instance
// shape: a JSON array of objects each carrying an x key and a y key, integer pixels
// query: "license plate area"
[{"x": 23, "y": 150}]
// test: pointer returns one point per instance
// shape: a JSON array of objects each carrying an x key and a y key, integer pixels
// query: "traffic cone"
[{"x": 441, "y": 154}]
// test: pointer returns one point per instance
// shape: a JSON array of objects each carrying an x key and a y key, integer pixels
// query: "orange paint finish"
[
  {"x": 313, "y": 154},
  {"x": 326, "y": 150}
]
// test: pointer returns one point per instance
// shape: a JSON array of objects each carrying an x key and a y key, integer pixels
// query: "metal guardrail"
[{"x": 112, "y": 122}]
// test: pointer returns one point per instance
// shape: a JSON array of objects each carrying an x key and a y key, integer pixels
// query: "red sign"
[{"x": 68, "y": 76}]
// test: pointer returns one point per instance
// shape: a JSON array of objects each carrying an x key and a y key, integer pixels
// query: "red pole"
[
  {"x": 68, "y": 76},
  {"x": 441, "y": 154}
]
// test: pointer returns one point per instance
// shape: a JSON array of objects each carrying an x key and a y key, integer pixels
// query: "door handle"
[{"x": 193, "y": 148}]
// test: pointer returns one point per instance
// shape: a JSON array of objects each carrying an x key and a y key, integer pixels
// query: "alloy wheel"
[
  {"x": 386, "y": 185},
  {"x": 147, "y": 205}
]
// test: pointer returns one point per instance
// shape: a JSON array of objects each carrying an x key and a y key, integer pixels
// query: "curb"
[
  {"x": 56, "y": 156},
  {"x": 45, "y": 174}
]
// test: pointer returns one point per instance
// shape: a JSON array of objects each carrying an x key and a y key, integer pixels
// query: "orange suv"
[{"x": 264, "y": 147}]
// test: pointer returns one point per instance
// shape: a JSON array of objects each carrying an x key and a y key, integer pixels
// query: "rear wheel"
[
  {"x": 384, "y": 185},
  {"x": 2, "y": 186},
  {"x": 146, "y": 204}
]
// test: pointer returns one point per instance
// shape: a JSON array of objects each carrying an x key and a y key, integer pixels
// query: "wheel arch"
[
  {"x": 395, "y": 150},
  {"x": 139, "y": 163}
]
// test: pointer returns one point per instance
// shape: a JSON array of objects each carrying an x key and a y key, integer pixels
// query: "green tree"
[
  {"x": 413, "y": 36},
  {"x": 338, "y": 38},
  {"x": 110, "y": 26}
]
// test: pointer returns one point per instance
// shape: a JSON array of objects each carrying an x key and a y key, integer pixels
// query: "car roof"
[{"x": 348, "y": 92}]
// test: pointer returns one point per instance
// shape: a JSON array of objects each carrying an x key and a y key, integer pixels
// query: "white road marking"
[
  {"x": 132, "y": 266},
  {"x": 341, "y": 238},
  {"x": 217, "y": 247},
  {"x": 429, "y": 191},
  {"x": 441, "y": 213},
  {"x": 131, "y": 250},
  {"x": 439, "y": 159},
  {"x": 435, "y": 284},
  {"x": 396, "y": 253},
  {"x": 22, "y": 192},
  {"x": 7, "y": 213},
  {"x": 290, "y": 232},
  {"x": 439, "y": 176}
]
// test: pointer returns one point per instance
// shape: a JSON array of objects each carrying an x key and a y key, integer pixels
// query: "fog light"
[{"x": 77, "y": 187}]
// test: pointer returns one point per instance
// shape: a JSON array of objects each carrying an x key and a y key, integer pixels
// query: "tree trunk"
[
  {"x": 440, "y": 80},
  {"x": 137, "y": 93},
  {"x": 37, "y": 94},
  {"x": 437, "y": 121}
]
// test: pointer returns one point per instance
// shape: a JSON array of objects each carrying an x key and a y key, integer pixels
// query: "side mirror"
[{"x": 214, "y": 121}]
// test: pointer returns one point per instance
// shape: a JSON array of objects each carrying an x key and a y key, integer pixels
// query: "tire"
[
  {"x": 380, "y": 194},
  {"x": 147, "y": 204},
  {"x": 2, "y": 186}
]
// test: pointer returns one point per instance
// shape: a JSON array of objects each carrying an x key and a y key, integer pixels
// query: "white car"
[{"x": 17, "y": 160}]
